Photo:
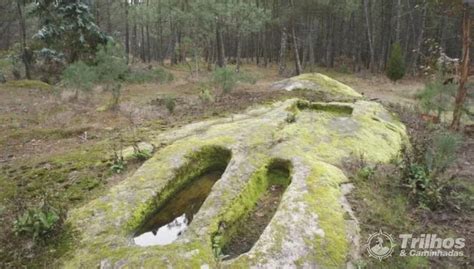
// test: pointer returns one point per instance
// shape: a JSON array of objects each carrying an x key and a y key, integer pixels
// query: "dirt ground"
[{"x": 37, "y": 121}]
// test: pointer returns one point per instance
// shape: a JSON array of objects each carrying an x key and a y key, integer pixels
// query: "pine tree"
[
  {"x": 68, "y": 27},
  {"x": 396, "y": 63}
]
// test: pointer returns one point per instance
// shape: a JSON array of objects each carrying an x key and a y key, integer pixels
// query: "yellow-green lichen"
[
  {"x": 28, "y": 84},
  {"x": 208, "y": 158},
  {"x": 332, "y": 248},
  {"x": 317, "y": 141},
  {"x": 328, "y": 84},
  {"x": 243, "y": 204}
]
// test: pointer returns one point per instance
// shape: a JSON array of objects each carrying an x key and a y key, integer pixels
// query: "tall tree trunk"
[
  {"x": 462, "y": 91},
  {"x": 26, "y": 54},
  {"x": 134, "y": 41},
  {"x": 239, "y": 51},
  {"x": 329, "y": 40},
  {"x": 369, "y": 34},
  {"x": 172, "y": 47},
  {"x": 142, "y": 43},
  {"x": 220, "y": 46},
  {"x": 210, "y": 55},
  {"x": 298, "y": 67},
  {"x": 127, "y": 32},
  {"x": 419, "y": 40},
  {"x": 312, "y": 58},
  {"x": 109, "y": 19},
  {"x": 282, "y": 59},
  {"x": 265, "y": 47},
  {"x": 148, "y": 41},
  {"x": 399, "y": 17}
]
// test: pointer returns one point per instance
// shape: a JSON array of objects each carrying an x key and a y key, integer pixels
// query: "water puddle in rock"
[{"x": 174, "y": 217}]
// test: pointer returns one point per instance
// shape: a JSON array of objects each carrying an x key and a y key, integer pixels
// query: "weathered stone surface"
[
  {"x": 319, "y": 83},
  {"x": 308, "y": 229}
]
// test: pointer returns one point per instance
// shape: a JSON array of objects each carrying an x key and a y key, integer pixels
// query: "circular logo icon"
[{"x": 380, "y": 245}]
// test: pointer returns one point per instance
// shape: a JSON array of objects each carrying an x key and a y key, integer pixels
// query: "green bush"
[
  {"x": 225, "y": 79},
  {"x": 162, "y": 75},
  {"x": 79, "y": 76},
  {"x": 424, "y": 168},
  {"x": 366, "y": 172},
  {"x": 170, "y": 103},
  {"x": 139, "y": 76},
  {"x": 437, "y": 96},
  {"x": 427, "y": 192},
  {"x": 111, "y": 65},
  {"x": 205, "y": 94},
  {"x": 141, "y": 155},
  {"x": 36, "y": 222},
  {"x": 442, "y": 153},
  {"x": 396, "y": 63},
  {"x": 118, "y": 166},
  {"x": 159, "y": 74},
  {"x": 111, "y": 69},
  {"x": 247, "y": 78}
]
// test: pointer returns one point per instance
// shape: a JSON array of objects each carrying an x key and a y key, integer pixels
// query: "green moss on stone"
[
  {"x": 328, "y": 84},
  {"x": 208, "y": 158},
  {"x": 28, "y": 84},
  {"x": 240, "y": 208},
  {"x": 317, "y": 141}
]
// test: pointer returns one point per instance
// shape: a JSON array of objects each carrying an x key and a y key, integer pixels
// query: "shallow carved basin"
[{"x": 169, "y": 222}]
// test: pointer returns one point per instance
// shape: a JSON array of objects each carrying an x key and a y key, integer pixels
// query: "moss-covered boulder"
[
  {"x": 310, "y": 228},
  {"x": 327, "y": 87},
  {"x": 28, "y": 84}
]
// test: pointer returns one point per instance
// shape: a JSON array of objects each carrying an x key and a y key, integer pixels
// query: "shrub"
[
  {"x": 206, "y": 95},
  {"x": 111, "y": 69},
  {"x": 396, "y": 63},
  {"x": 437, "y": 96},
  {"x": 427, "y": 192},
  {"x": 366, "y": 172},
  {"x": 424, "y": 167},
  {"x": 118, "y": 165},
  {"x": 141, "y": 155},
  {"x": 225, "y": 79},
  {"x": 247, "y": 78},
  {"x": 170, "y": 103},
  {"x": 111, "y": 65},
  {"x": 36, "y": 222},
  {"x": 442, "y": 153},
  {"x": 159, "y": 74},
  {"x": 80, "y": 77},
  {"x": 139, "y": 76},
  {"x": 162, "y": 75}
]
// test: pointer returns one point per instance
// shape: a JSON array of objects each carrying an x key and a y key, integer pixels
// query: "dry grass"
[{"x": 26, "y": 110}]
